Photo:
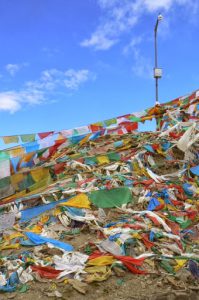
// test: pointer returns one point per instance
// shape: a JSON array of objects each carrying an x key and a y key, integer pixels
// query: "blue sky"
[{"x": 67, "y": 63}]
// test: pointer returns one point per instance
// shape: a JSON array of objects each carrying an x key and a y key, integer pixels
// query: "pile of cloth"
[{"x": 132, "y": 195}]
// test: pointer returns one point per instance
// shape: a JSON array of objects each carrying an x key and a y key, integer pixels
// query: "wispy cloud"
[
  {"x": 119, "y": 17},
  {"x": 50, "y": 52},
  {"x": 13, "y": 101},
  {"x": 132, "y": 45},
  {"x": 142, "y": 66},
  {"x": 12, "y": 69},
  {"x": 53, "y": 78},
  {"x": 152, "y": 6},
  {"x": 41, "y": 90},
  {"x": 74, "y": 78}
]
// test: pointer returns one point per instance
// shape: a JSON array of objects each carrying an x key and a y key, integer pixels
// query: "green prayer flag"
[
  {"x": 4, "y": 182},
  {"x": 90, "y": 160},
  {"x": 26, "y": 183},
  {"x": 24, "y": 288},
  {"x": 4, "y": 155},
  {"x": 134, "y": 119},
  {"x": 111, "y": 198},
  {"x": 110, "y": 121},
  {"x": 41, "y": 152},
  {"x": 27, "y": 138},
  {"x": 113, "y": 156},
  {"x": 166, "y": 266}
]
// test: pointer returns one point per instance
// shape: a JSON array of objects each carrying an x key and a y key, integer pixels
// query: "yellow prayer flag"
[
  {"x": 98, "y": 276},
  {"x": 27, "y": 157},
  {"x": 57, "y": 212},
  {"x": 96, "y": 269},
  {"x": 161, "y": 200},
  {"x": 136, "y": 235},
  {"x": 80, "y": 201},
  {"x": 35, "y": 229},
  {"x": 18, "y": 151},
  {"x": 60, "y": 137},
  {"x": 13, "y": 236},
  {"x": 39, "y": 174},
  {"x": 14, "y": 246},
  {"x": 85, "y": 139},
  {"x": 44, "y": 219},
  {"x": 11, "y": 139},
  {"x": 180, "y": 264},
  {"x": 16, "y": 178},
  {"x": 104, "y": 260},
  {"x": 103, "y": 159}
]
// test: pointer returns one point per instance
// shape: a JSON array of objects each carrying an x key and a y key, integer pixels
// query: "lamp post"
[{"x": 157, "y": 71}]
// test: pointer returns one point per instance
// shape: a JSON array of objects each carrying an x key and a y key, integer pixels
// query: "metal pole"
[
  {"x": 156, "y": 58},
  {"x": 157, "y": 71},
  {"x": 156, "y": 62}
]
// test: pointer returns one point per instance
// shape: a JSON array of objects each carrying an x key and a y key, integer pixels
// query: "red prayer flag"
[
  {"x": 46, "y": 272},
  {"x": 42, "y": 135}
]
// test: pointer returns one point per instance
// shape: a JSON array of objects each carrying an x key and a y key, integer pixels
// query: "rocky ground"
[{"x": 120, "y": 286}]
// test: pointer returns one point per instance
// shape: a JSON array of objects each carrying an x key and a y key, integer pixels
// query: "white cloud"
[
  {"x": 132, "y": 45},
  {"x": 53, "y": 78},
  {"x": 38, "y": 91},
  {"x": 142, "y": 67},
  {"x": 12, "y": 69},
  {"x": 13, "y": 101},
  {"x": 165, "y": 5},
  {"x": 75, "y": 78},
  {"x": 9, "y": 101},
  {"x": 99, "y": 41},
  {"x": 155, "y": 5},
  {"x": 107, "y": 3},
  {"x": 120, "y": 17}
]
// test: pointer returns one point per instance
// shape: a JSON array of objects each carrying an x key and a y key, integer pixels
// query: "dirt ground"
[{"x": 127, "y": 286}]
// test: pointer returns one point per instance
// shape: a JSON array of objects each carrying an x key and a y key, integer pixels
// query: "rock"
[
  {"x": 119, "y": 272},
  {"x": 183, "y": 275},
  {"x": 79, "y": 286},
  {"x": 55, "y": 293},
  {"x": 12, "y": 296},
  {"x": 181, "y": 295}
]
